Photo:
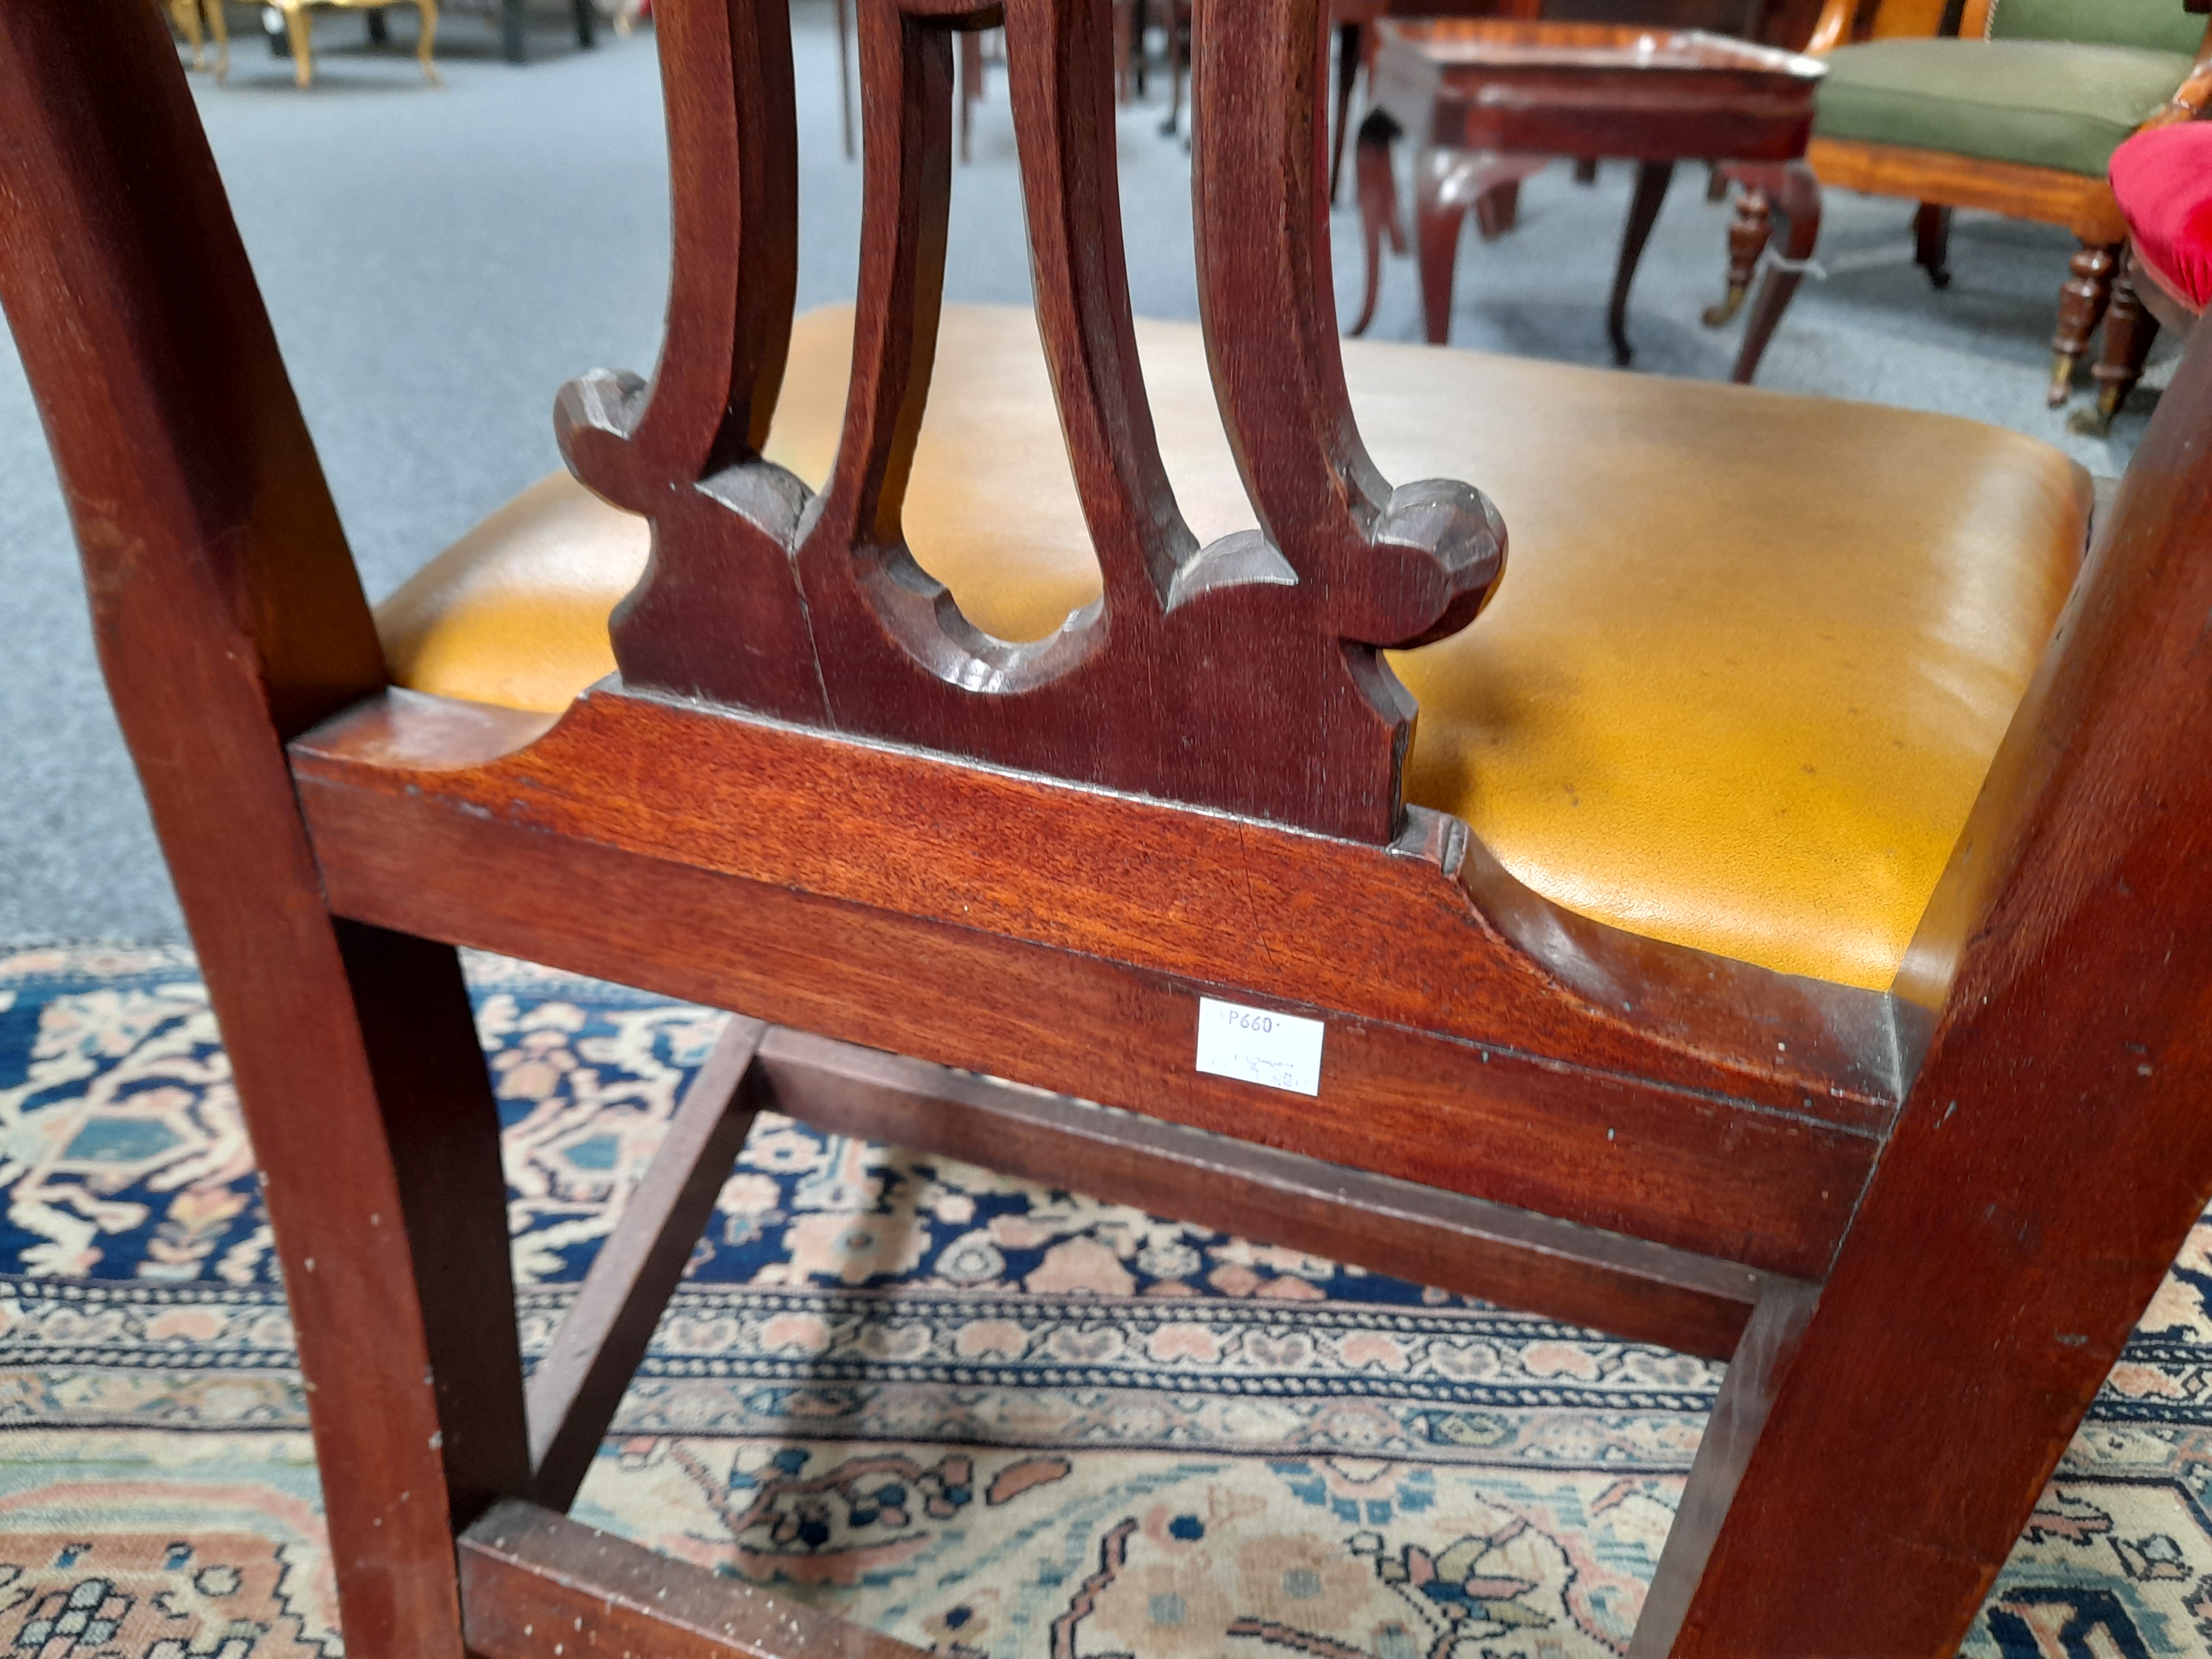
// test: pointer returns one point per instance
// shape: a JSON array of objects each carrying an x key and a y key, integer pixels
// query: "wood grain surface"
[{"x": 541, "y": 1586}]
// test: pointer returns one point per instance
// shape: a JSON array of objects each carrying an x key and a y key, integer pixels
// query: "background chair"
[
  {"x": 2162, "y": 180},
  {"x": 1915, "y": 1147},
  {"x": 185, "y": 14},
  {"x": 2014, "y": 106},
  {"x": 298, "y": 26}
]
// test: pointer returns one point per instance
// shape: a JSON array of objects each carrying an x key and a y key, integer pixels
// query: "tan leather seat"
[{"x": 1748, "y": 664}]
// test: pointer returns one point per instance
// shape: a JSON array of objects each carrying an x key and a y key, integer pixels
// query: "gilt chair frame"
[{"x": 1921, "y": 1223}]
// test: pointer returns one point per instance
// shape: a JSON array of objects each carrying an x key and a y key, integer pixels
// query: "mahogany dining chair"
[{"x": 1777, "y": 925}]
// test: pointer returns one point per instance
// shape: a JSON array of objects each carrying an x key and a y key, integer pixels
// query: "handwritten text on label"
[{"x": 1258, "y": 1045}]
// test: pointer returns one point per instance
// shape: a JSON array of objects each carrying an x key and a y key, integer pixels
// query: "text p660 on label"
[{"x": 1280, "y": 1051}]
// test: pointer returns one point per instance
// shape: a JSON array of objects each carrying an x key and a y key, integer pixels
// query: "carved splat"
[
  {"x": 1245, "y": 675},
  {"x": 716, "y": 614}
]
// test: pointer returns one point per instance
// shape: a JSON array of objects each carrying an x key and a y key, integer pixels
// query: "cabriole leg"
[
  {"x": 1439, "y": 210},
  {"x": 1377, "y": 182}
]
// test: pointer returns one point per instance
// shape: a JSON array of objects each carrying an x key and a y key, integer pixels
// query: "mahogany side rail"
[{"x": 1921, "y": 1223}]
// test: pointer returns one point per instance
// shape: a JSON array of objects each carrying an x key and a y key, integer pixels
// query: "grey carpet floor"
[{"x": 439, "y": 260}]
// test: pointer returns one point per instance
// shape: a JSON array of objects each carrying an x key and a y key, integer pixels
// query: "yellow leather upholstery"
[{"x": 1748, "y": 664}]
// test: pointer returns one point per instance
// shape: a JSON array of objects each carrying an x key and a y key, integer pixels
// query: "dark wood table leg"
[
  {"x": 1439, "y": 211},
  {"x": 587, "y": 24},
  {"x": 1799, "y": 198},
  {"x": 1931, "y": 243},
  {"x": 1350, "y": 43},
  {"x": 510, "y": 31},
  {"x": 1652, "y": 178},
  {"x": 1498, "y": 209},
  {"x": 1376, "y": 180},
  {"x": 378, "y": 35}
]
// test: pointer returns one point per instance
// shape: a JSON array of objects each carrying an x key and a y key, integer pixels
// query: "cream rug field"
[{"x": 978, "y": 1414}]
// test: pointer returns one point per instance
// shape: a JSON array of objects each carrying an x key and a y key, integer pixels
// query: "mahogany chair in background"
[
  {"x": 2014, "y": 107},
  {"x": 1784, "y": 935}
]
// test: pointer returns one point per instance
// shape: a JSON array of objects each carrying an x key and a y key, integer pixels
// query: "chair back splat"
[
  {"x": 1922, "y": 1221},
  {"x": 1243, "y": 676}
]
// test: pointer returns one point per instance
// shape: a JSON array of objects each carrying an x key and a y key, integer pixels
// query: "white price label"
[{"x": 1258, "y": 1046}]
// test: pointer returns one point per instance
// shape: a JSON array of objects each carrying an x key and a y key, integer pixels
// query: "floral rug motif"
[{"x": 981, "y": 1415}]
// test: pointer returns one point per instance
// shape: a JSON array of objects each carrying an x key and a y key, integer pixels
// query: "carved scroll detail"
[
  {"x": 716, "y": 614},
  {"x": 1245, "y": 675}
]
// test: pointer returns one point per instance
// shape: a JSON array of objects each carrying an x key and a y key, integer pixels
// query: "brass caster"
[
  {"x": 2061, "y": 379},
  {"x": 1719, "y": 316},
  {"x": 2096, "y": 421}
]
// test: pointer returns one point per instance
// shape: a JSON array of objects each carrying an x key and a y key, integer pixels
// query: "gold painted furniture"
[
  {"x": 298, "y": 26},
  {"x": 186, "y": 13},
  {"x": 2017, "y": 113}
]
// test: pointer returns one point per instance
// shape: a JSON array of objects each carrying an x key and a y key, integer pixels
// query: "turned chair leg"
[
  {"x": 1931, "y": 243},
  {"x": 1748, "y": 232},
  {"x": 2081, "y": 301},
  {"x": 2129, "y": 332},
  {"x": 1377, "y": 183},
  {"x": 1799, "y": 198}
]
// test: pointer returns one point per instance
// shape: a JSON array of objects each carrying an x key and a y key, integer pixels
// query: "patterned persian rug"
[{"x": 981, "y": 1415}]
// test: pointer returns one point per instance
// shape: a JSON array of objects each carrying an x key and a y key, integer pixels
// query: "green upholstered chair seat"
[
  {"x": 2035, "y": 103},
  {"x": 2154, "y": 25}
]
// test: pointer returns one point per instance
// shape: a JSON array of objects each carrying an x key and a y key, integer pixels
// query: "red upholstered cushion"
[{"x": 2164, "y": 181}]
